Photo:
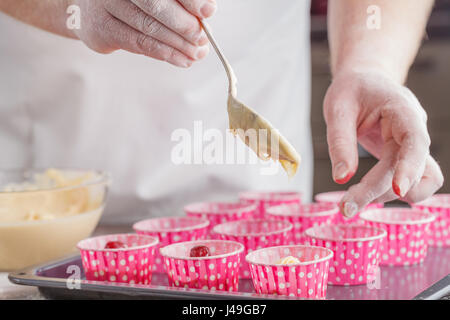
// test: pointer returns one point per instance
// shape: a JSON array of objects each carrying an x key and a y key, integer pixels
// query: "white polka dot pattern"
[
  {"x": 254, "y": 234},
  {"x": 264, "y": 200},
  {"x": 354, "y": 262},
  {"x": 220, "y": 212},
  {"x": 171, "y": 230},
  {"x": 407, "y": 234},
  {"x": 304, "y": 281},
  {"x": 220, "y": 273},
  {"x": 128, "y": 265},
  {"x": 438, "y": 205},
  {"x": 302, "y": 217}
]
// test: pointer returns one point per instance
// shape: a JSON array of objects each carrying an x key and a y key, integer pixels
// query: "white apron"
[{"x": 62, "y": 104}]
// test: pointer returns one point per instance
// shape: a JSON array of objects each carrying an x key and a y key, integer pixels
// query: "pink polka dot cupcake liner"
[
  {"x": 407, "y": 234},
  {"x": 264, "y": 200},
  {"x": 335, "y": 197},
  {"x": 356, "y": 251},
  {"x": 439, "y": 206},
  {"x": 302, "y": 217},
  {"x": 219, "y": 271},
  {"x": 171, "y": 230},
  {"x": 132, "y": 264},
  {"x": 254, "y": 234},
  {"x": 220, "y": 212},
  {"x": 306, "y": 279}
]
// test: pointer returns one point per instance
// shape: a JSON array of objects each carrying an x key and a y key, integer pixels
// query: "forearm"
[
  {"x": 390, "y": 49},
  {"x": 49, "y": 15}
]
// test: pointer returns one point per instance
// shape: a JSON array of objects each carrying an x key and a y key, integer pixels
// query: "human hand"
[
  {"x": 368, "y": 107},
  {"x": 166, "y": 30}
]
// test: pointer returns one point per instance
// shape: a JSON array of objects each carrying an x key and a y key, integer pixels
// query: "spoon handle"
[{"x": 230, "y": 74}]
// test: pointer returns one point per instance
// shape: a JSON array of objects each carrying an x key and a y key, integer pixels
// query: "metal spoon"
[{"x": 256, "y": 132}]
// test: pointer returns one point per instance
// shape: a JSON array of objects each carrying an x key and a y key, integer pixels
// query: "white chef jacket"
[{"x": 63, "y": 105}]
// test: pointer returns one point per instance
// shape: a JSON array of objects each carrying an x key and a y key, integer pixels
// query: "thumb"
[{"x": 340, "y": 112}]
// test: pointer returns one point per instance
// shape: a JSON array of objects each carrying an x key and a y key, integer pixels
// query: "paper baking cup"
[
  {"x": 128, "y": 265},
  {"x": 264, "y": 200},
  {"x": 335, "y": 197},
  {"x": 356, "y": 251},
  {"x": 171, "y": 230},
  {"x": 220, "y": 212},
  {"x": 407, "y": 234},
  {"x": 307, "y": 279},
  {"x": 254, "y": 234},
  {"x": 302, "y": 217},
  {"x": 439, "y": 206},
  {"x": 220, "y": 271}
]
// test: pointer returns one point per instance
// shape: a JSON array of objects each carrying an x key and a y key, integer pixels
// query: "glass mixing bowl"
[{"x": 45, "y": 212}]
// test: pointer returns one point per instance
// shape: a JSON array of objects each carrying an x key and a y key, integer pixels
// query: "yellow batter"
[
  {"x": 41, "y": 199},
  {"x": 44, "y": 218},
  {"x": 288, "y": 260}
]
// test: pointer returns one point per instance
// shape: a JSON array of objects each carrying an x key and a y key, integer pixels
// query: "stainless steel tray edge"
[
  {"x": 56, "y": 287},
  {"x": 30, "y": 276}
]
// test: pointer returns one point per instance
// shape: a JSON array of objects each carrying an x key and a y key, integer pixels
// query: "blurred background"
[{"x": 429, "y": 79}]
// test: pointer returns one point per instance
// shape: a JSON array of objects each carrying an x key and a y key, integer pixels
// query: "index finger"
[
  {"x": 200, "y": 8},
  {"x": 172, "y": 14},
  {"x": 374, "y": 184}
]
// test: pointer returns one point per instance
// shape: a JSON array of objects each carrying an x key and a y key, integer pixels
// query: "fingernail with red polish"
[
  {"x": 340, "y": 171},
  {"x": 396, "y": 188},
  {"x": 345, "y": 180},
  {"x": 402, "y": 187}
]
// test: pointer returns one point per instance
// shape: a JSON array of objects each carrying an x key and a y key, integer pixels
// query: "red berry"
[
  {"x": 115, "y": 245},
  {"x": 199, "y": 251}
]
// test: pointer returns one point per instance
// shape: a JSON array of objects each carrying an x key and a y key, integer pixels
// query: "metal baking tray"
[
  {"x": 429, "y": 280},
  {"x": 52, "y": 280}
]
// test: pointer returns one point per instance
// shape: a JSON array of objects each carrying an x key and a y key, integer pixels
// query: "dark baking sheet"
[{"x": 429, "y": 280}]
